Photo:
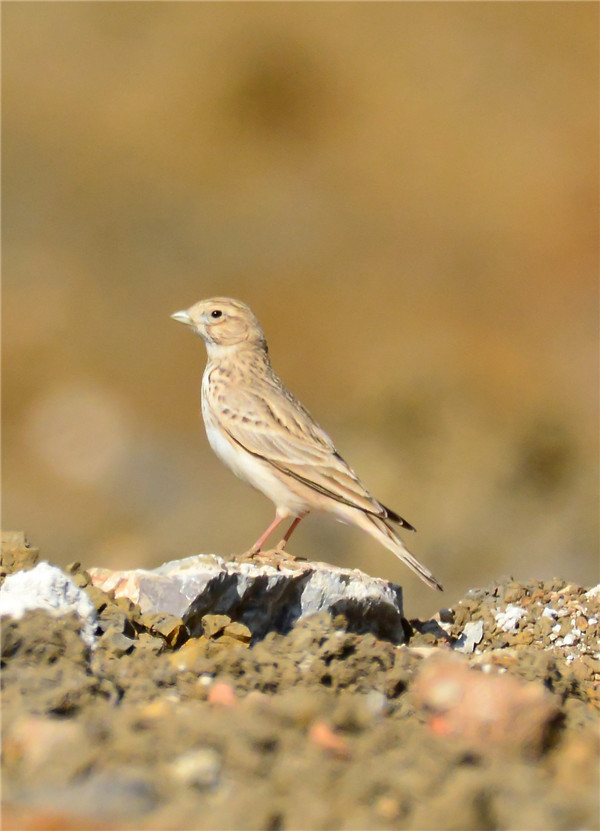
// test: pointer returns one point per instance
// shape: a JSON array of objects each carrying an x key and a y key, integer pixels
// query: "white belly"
[{"x": 250, "y": 469}]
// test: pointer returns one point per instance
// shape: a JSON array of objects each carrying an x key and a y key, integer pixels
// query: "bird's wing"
[{"x": 272, "y": 425}]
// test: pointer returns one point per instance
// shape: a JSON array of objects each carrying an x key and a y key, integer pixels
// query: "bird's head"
[{"x": 223, "y": 322}]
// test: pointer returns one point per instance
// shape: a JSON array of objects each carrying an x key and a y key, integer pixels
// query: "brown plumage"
[{"x": 269, "y": 439}]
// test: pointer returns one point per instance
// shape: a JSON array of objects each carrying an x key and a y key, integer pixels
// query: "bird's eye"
[{"x": 216, "y": 313}]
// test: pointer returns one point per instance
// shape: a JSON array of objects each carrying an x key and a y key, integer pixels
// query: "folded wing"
[{"x": 276, "y": 428}]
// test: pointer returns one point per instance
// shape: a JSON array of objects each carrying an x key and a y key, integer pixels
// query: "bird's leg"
[
  {"x": 281, "y": 545},
  {"x": 261, "y": 540}
]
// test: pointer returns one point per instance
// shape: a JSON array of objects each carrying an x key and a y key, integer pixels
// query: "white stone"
[
  {"x": 51, "y": 589},
  {"x": 472, "y": 634},
  {"x": 509, "y": 618}
]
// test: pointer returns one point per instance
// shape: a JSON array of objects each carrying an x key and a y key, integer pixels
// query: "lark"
[{"x": 267, "y": 438}]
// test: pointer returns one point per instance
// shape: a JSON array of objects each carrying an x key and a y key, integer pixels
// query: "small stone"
[
  {"x": 461, "y": 616},
  {"x": 169, "y": 627},
  {"x": 213, "y": 625},
  {"x": 387, "y": 808},
  {"x": 115, "y": 618},
  {"x": 321, "y": 734},
  {"x": 125, "y": 605},
  {"x": 225, "y": 641},
  {"x": 565, "y": 626},
  {"x": 471, "y": 636},
  {"x": 592, "y": 663},
  {"x": 16, "y": 552},
  {"x": 524, "y": 637},
  {"x": 145, "y": 641},
  {"x": 98, "y": 598},
  {"x": 197, "y": 768},
  {"x": 184, "y": 659},
  {"x": 543, "y": 626},
  {"x": 116, "y": 642},
  {"x": 340, "y": 622},
  {"x": 509, "y": 618},
  {"x": 238, "y": 631},
  {"x": 223, "y": 695},
  {"x": 81, "y": 579}
]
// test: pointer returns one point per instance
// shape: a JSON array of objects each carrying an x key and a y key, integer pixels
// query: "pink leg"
[
  {"x": 289, "y": 533},
  {"x": 260, "y": 541}
]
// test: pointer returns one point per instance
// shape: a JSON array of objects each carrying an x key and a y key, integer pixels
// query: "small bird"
[{"x": 262, "y": 433}]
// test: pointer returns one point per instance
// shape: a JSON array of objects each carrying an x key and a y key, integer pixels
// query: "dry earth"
[{"x": 486, "y": 719}]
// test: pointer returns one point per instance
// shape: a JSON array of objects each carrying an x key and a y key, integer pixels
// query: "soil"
[{"x": 320, "y": 728}]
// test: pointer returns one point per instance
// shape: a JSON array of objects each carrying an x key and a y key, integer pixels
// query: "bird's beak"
[{"x": 183, "y": 317}]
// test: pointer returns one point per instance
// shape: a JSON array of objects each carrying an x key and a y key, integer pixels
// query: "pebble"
[
  {"x": 170, "y": 627},
  {"x": 321, "y": 734},
  {"x": 471, "y": 636},
  {"x": 509, "y": 617},
  {"x": 116, "y": 642},
  {"x": 213, "y": 625},
  {"x": 223, "y": 695},
  {"x": 197, "y": 768}
]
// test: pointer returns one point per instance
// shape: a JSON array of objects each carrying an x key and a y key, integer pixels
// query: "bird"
[{"x": 267, "y": 438}]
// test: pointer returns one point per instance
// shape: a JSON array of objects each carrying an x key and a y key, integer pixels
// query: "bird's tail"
[{"x": 380, "y": 530}]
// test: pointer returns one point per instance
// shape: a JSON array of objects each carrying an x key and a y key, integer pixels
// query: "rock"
[
  {"x": 509, "y": 618},
  {"x": 169, "y": 627},
  {"x": 238, "y": 632},
  {"x": 184, "y": 659},
  {"x": 36, "y": 742},
  {"x": 484, "y": 710},
  {"x": 213, "y": 625},
  {"x": 49, "y": 588},
  {"x": 116, "y": 642},
  {"x": 17, "y": 553},
  {"x": 218, "y": 733},
  {"x": 198, "y": 768},
  {"x": 263, "y": 596},
  {"x": 471, "y": 636},
  {"x": 321, "y": 734}
]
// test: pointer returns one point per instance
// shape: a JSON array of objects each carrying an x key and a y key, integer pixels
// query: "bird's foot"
[
  {"x": 271, "y": 556},
  {"x": 280, "y": 551},
  {"x": 251, "y": 555},
  {"x": 280, "y": 558}
]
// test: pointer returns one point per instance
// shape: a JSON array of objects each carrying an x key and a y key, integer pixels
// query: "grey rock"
[
  {"x": 265, "y": 596},
  {"x": 471, "y": 636}
]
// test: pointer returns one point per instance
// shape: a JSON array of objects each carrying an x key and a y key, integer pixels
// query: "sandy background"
[{"x": 407, "y": 196}]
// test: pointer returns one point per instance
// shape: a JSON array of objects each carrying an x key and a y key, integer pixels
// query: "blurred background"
[{"x": 406, "y": 194}]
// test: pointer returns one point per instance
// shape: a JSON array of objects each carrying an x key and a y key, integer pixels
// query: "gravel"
[{"x": 486, "y": 719}]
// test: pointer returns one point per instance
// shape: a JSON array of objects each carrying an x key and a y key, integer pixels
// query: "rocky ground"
[{"x": 486, "y": 717}]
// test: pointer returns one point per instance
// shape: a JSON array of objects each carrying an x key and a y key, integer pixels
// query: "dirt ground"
[{"x": 319, "y": 728}]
